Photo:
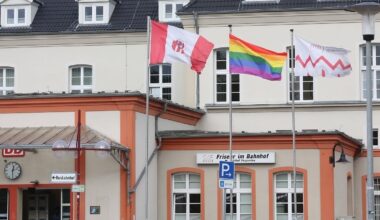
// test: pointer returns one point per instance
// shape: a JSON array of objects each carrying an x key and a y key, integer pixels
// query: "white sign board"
[
  {"x": 238, "y": 158},
  {"x": 226, "y": 184},
  {"x": 77, "y": 188},
  {"x": 63, "y": 178}
]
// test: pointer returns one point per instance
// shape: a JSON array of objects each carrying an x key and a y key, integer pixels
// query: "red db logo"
[{"x": 13, "y": 153}]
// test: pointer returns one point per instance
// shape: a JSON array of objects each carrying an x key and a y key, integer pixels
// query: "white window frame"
[
  {"x": 64, "y": 204},
  {"x": 300, "y": 80},
  {"x": 82, "y": 13},
  {"x": 375, "y": 137},
  {"x": 15, "y": 10},
  {"x": 162, "y": 10},
  {"x": 239, "y": 191},
  {"x": 5, "y": 88},
  {"x": 377, "y": 194},
  {"x": 156, "y": 89},
  {"x": 226, "y": 73},
  {"x": 289, "y": 190},
  {"x": 188, "y": 191},
  {"x": 5, "y": 216},
  {"x": 374, "y": 67},
  {"x": 81, "y": 87}
]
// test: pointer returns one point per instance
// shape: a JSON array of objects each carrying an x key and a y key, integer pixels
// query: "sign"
[
  {"x": 238, "y": 158},
  {"x": 12, "y": 153},
  {"x": 226, "y": 184},
  {"x": 63, "y": 178},
  {"x": 94, "y": 210},
  {"x": 226, "y": 170},
  {"x": 77, "y": 188}
]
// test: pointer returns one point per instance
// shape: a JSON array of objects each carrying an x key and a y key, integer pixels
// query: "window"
[
  {"x": 186, "y": 196},
  {"x": 16, "y": 16},
  {"x": 4, "y": 204},
  {"x": 377, "y": 197},
  {"x": 375, "y": 137},
  {"x": 81, "y": 79},
  {"x": 94, "y": 14},
  {"x": 284, "y": 196},
  {"x": 168, "y": 10},
  {"x": 375, "y": 63},
  {"x": 223, "y": 78},
  {"x": 7, "y": 81},
  {"x": 303, "y": 85},
  {"x": 65, "y": 204},
  {"x": 160, "y": 84},
  {"x": 241, "y": 198}
]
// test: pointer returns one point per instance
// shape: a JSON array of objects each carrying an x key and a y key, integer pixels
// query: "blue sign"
[{"x": 226, "y": 170}]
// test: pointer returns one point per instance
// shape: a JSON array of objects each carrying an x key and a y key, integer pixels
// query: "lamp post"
[{"x": 368, "y": 10}]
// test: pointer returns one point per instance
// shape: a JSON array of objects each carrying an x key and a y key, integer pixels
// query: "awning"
[{"x": 34, "y": 138}]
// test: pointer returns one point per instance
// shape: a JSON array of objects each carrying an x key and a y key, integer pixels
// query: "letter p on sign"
[{"x": 226, "y": 170}]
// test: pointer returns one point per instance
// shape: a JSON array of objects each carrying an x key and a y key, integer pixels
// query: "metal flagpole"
[
  {"x": 292, "y": 63},
  {"x": 198, "y": 74},
  {"x": 230, "y": 144},
  {"x": 147, "y": 123}
]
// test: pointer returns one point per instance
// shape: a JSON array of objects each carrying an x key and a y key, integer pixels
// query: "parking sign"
[{"x": 226, "y": 170}]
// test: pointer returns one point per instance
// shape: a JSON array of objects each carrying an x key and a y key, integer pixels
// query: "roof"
[
  {"x": 45, "y": 137},
  {"x": 207, "y": 134},
  {"x": 61, "y": 16},
  {"x": 236, "y": 6},
  {"x": 127, "y": 93}
]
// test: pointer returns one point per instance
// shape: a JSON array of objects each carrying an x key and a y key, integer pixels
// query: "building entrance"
[{"x": 46, "y": 204}]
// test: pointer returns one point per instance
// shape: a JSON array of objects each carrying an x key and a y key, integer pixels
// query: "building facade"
[{"x": 64, "y": 62}]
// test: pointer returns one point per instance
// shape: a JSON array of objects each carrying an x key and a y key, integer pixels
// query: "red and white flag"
[
  {"x": 316, "y": 60},
  {"x": 170, "y": 43}
]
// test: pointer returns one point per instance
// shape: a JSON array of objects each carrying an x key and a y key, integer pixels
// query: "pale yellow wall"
[
  {"x": 103, "y": 174},
  {"x": 38, "y": 166},
  {"x": 340, "y": 185},
  {"x": 45, "y": 119},
  {"x": 306, "y": 159},
  {"x": 140, "y": 164},
  {"x": 164, "y": 124}
]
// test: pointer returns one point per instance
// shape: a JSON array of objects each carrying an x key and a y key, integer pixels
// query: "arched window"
[
  {"x": 241, "y": 198},
  {"x": 284, "y": 196},
  {"x": 7, "y": 80},
  {"x": 186, "y": 196},
  {"x": 81, "y": 79}
]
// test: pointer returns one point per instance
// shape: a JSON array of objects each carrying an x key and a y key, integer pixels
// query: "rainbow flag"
[{"x": 254, "y": 60}]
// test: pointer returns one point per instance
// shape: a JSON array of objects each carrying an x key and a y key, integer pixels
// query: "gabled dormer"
[
  {"x": 167, "y": 9},
  {"x": 18, "y": 13},
  {"x": 95, "y": 11}
]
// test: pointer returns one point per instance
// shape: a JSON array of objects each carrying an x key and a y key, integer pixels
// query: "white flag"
[{"x": 316, "y": 60}]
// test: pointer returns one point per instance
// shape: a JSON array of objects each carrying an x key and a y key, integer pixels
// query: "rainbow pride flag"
[{"x": 254, "y": 60}]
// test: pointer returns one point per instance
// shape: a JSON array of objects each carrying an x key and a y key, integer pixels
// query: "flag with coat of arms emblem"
[{"x": 169, "y": 43}]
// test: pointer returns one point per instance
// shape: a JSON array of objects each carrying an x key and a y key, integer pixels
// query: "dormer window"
[
  {"x": 93, "y": 14},
  {"x": 16, "y": 16},
  {"x": 96, "y": 12},
  {"x": 168, "y": 10},
  {"x": 18, "y": 13}
]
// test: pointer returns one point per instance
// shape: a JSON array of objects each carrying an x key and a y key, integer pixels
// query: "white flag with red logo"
[
  {"x": 316, "y": 60},
  {"x": 169, "y": 43}
]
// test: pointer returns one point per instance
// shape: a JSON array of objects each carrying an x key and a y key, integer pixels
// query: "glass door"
[
  {"x": 4, "y": 199},
  {"x": 38, "y": 207}
]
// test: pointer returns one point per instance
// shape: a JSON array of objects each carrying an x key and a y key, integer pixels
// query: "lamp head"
[
  {"x": 342, "y": 158},
  {"x": 368, "y": 10}
]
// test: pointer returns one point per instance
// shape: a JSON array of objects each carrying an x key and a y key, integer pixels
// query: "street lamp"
[
  {"x": 342, "y": 158},
  {"x": 368, "y": 10}
]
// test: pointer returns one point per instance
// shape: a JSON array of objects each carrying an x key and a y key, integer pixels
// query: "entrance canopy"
[{"x": 33, "y": 138}]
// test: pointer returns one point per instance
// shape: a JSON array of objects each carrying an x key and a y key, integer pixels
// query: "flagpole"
[
  {"x": 198, "y": 73},
  {"x": 293, "y": 61},
  {"x": 230, "y": 135},
  {"x": 147, "y": 122}
]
